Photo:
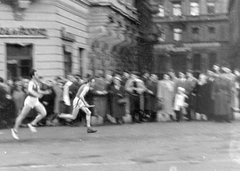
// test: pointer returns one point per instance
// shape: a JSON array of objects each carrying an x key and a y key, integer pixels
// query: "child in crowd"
[{"x": 179, "y": 103}]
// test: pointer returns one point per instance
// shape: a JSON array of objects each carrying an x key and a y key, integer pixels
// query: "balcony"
[{"x": 189, "y": 18}]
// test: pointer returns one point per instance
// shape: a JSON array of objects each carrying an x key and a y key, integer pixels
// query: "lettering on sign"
[
  {"x": 67, "y": 36},
  {"x": 23, "y": 32}
]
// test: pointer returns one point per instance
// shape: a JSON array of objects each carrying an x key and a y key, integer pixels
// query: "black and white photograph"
[{"x": 119, "y": 85}]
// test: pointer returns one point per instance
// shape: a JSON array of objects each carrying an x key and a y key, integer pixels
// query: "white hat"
[{"x": 181, "y": 89}]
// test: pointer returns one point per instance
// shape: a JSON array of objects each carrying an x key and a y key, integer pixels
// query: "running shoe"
[
  {"x": 91, "y": 130},
  {"x": 15, "y": 134},
  {"x": 32, "y": 127}
]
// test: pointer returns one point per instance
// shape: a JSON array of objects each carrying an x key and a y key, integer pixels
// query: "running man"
[
  {"x": 32, "y": 101},
  {"x": 79, "y": 102}
]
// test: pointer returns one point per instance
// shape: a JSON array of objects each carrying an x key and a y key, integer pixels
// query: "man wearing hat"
[{"x": 135, "y": 87}]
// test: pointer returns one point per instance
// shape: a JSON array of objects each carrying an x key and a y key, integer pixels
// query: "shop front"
[
  {"x": 52, "y": 43},
  {"x": 196, "y": 57}
]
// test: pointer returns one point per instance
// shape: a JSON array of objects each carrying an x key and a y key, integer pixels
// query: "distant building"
[
  {"x": 146, "y": 38},
  {"x": 234, "y": 20},
  {"x": 112, "y": 36},
  {"x": 192, "y": 34}
]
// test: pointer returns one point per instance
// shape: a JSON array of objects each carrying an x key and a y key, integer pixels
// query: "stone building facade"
[
  {"x": 113, "y": 36},
  {"x": 192, "y": 34},
  {"x": 146, "y": 38},
  {"x": 58, "y": 37}
]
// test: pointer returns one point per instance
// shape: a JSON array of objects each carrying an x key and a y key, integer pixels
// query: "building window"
[
  {"x": 160, "y": 10},
  {"x": 19, "y": 60},
  {"x": 211, "y": 7},
  {"x": 177, "y": 8},
  {"x": 161, "y": 32},
  {"x": 195, "y": 30},
  {"x": 162, "y": 37},
  {"x": 81, "y": 50},
  {"x": 194, "y": 7},
  {"x": 67, "y": 63},
  {"x": 212, "y": 59},
  {"x": 212, "y": 30},
  {"x": 197, "y": 62},
  {"x": 177, "y": 34}
]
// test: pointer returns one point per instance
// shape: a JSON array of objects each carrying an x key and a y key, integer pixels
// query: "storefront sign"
[
  {"x": 67, "y": 36},
  {"x": 22, "y": 32}
]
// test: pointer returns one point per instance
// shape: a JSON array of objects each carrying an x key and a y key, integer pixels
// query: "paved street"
[{"x": 195, "y": 146}]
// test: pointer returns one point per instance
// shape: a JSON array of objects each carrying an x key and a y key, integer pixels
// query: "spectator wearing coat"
[
  {"x": 222, "y": 96},
  {"x": 190, "y": 85},
  {"x": 166, "y": 95},
  {"x": 181, "y": 81},
  {"x": 100, "y": 97},
  {"x": 58, "y": 90},
  {"x": 210, "y": 102},
  {"x": 151, "y": 97},
  {"x": 18, "y": 96},
  {"x": 135, "y": 87},
  {"x": 202, "y": 96},
  {"x": 67, "y": 94},
  {"x": 7, "y": 106},
  {"x": 117, "y": 100},
  {"x": 48, "y": 101}
]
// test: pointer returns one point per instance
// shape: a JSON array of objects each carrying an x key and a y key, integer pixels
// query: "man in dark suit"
[
  {"x": 135, "y": 87},
  {"x": 190, "y": 84}
]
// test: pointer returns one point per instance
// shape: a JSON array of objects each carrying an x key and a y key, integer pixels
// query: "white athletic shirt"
[
  {"x": 83, "y": 90},
  {"x": 33, "y": 85}
]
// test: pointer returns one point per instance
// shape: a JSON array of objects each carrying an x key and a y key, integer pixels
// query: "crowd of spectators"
[{"x": 129, "y": 96}]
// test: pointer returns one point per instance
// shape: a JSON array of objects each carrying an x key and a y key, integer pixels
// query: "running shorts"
[
  {"x": 78, "y": 103},
  {"x": 31, "y": 101}
]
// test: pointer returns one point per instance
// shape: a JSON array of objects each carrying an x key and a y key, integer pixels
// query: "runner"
[
  {"x": 32, "y": 101},
  {"x": 79, "y": 102}
]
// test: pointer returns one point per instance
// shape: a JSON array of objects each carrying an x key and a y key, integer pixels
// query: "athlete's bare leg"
[
  {"x": 88, "y": 118},
  {"x": 72, "y": 116},
  {"x": 88, "y": 115},
  {"x": 41, "y": 114},
  {"x": 26, "y": 109}
]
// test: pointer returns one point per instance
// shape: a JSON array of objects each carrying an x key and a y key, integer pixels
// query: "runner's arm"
[{"x": 44, "y": 92}]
